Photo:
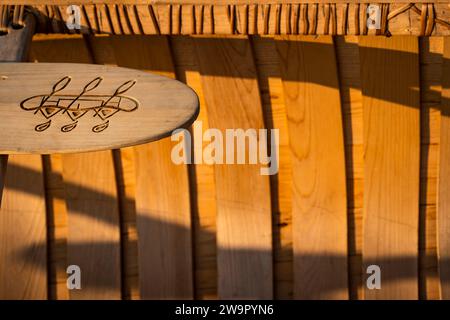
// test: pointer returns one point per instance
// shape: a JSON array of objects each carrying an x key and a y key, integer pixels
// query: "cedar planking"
[
  {"x": 93, "y": 224},
  {"x": 444, "y": 179},
  {"x": 163, "y": 224},
  {"x": 428, "y": 198},
  {"x": 272, "y": 97},
  {"x": 124, "y": 166},
  {"x": 390, "y": 87},
  {"x": 56, "y": 226},
  {"x": 93, "y": 240},
  {"x": 431, "y": 49},
  {"x": 23, "y": 256},
  {"x": 319, "y": 209},
  {"x": 347, "y": 54},
  {"x": 244, "y": 235},
  {"x": 202, "y": 184}
]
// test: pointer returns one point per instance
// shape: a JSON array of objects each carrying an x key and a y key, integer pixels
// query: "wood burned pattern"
[{"x": 75, "y": 106}]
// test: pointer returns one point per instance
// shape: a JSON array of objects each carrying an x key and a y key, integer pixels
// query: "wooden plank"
[
  {"x": 93, "y": 222},
  {"x": 391, "y": 106},
  {"x": 56, "y": 227},
  {"x": 273, "y": 102},
  {"x": 162, "y": 188},
  {"x": 23, "y": 260},
  {"x": 347, "y": 54},
  {"x": 93, "y": 240},
  {"x": 69, "y": 107},
  {"x": 443, "y": 208},
  {"x": 244, "y": 236},
  {"x": 319, "y": 210},
  {"x": 126, "y": 182},
  {"x": 431, "y": 60},
  {"x": 202, "y": 184}
]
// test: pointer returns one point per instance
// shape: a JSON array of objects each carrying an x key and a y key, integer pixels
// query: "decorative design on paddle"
[{"x": 78, "y": 105}]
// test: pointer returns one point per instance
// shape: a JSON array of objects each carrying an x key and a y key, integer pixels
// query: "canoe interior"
[{"x": 360, "y": 146}]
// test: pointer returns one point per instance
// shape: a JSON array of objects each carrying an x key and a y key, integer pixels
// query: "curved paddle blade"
[{"x": 140, "y": 107}]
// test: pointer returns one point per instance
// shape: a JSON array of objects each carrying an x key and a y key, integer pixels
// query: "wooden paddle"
[{"x": 59, "y": 108}]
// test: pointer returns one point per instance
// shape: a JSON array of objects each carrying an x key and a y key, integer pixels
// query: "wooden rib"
[
  {"x": 384, "y": 15},
  {"x": 244, "y": 235},
  {"x": 311, "y": 92},
  {"x": 154, "y": 20},
  {"x": 356, "y": 17},
  {"x": 326, "y": 28},
  {"x": 398, "y": 26},
  {"x": 93, "y": 219},
  {"x": 296, "y": 18},
  {"x": 431, "y": 49},
  {"x": 218, "y": 2},
  {"x": 288, "y": 13},
  {"x": 444, "y": 176},
  {"x": 390, "y": 86},
  {"x": 347, "y": 55},
  {"x": 56, "y": 226},
  {"x": 199, "y": 17},
  {"x": 3, "y": 165},
  {"x": 277, "y": 19},
  {"x": 163, "y": 225},
  {"x": 304, "y": 19},
  {"x": 430, "y": 22},
  {"x": 314, "y": 22},
  {"x": 202, "y": 184},
  {"x": 23, "y": 260},
  {"x": 423, "y": 19},
  {"x": 333, "y": 15},
  {"x": 273, "y": 102},
  {"x": 124, "y": 165},
  {"x": 211, "y": 19},
  {"x": 266, "y": 15},
  {"x": 344, "y": 19}
]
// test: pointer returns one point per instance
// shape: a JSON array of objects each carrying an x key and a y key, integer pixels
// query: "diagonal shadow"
[
  {"x": 101, "y": 278},
  {"x": 238, "y": 44}
]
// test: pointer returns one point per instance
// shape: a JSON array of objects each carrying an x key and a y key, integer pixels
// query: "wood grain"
[
  {"x": 347, "y": 55},
  {"x": 162, "y": 188},
  {"x": 390, "y": 87},
  {"x": 202, "y": 184},
  {"x": 274, "y": 106},
  {"x": 23, "y": 259},
  {"x": 431, "y": 60},
  {"x": 243, "y": 195},
  {"x": 93, "y": 240},
  {"x": 80, "y": 107},
  {"x": 443, "y": 218},
  {"x": 319, "y": 210},
  {"x": 93, "y": 223},
  {"x": 248, "y": 17},
  {"x": 56, "y": 226}
]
